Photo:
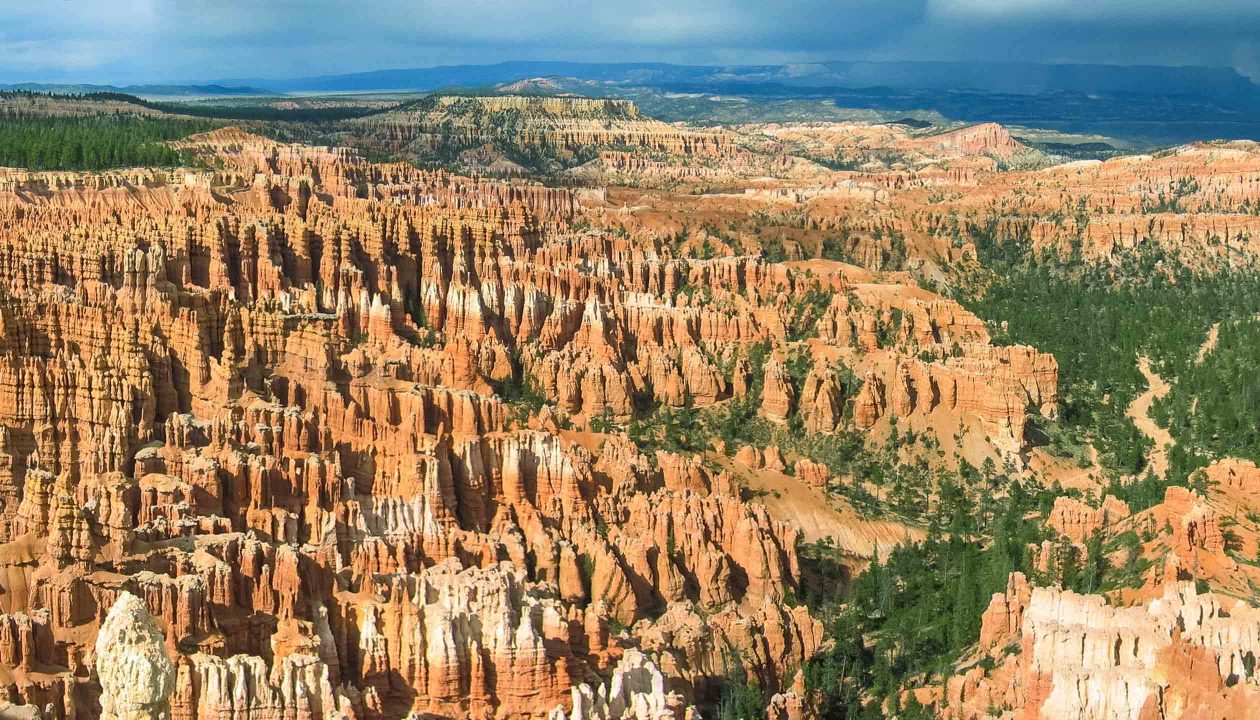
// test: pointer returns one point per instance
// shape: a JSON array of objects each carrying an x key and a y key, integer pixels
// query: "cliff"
[
  {"x": 537, "y": 130},
  {"x": 1058, "y": 654}
]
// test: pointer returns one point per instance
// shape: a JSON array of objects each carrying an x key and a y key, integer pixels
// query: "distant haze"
[
  {"x": 1018, "y": 78},
  {"x": 197, "y": 41}
]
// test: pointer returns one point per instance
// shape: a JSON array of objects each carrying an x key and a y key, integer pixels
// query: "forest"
[
  {"x": 94, "y": 143},
  {"x": 1098, "y": 318},
  {"x": 1213, "y": 405},
  {"x": 909, "y": 619}
]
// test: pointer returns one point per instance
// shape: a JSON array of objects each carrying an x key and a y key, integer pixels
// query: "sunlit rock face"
[
  {"x": 1060, "y": 654},
  {"x": 135, "y": 673}
]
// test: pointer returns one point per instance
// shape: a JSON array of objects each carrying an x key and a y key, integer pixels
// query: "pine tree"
[
  {"x": 1095, "y": 565},
  {"x": 965, "y": 607}
]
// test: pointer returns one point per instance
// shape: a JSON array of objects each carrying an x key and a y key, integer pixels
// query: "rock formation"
[
  {"x": 636, "y": 691},
  {"x": 136, "y": 675},
  {"x": 1059, "y": 654},
  {"x": 1078, "y": 521}
]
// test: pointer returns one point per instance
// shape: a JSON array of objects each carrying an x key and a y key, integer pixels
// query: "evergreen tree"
[{"x": 1095, "y": 567}]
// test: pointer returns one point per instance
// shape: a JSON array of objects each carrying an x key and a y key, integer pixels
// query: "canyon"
[{"x": 286, "y": 432}]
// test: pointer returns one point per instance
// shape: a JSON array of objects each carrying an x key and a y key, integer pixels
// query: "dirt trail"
[
  {"x": 819, "y": 515},
  {"x": 1210, "y": 342},
  {"x": 1140, "y": 413}
]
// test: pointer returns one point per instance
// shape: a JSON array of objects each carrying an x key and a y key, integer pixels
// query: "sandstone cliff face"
[
  {"x": 635, "y": 692},
  {"x": 983, "y": 139},
  {"x": 290, "y": 405},
  {"x": 1059, "y": 654},
  {"x": 1078, "y": 521},
  {"x": 1189, "y": 202},
  {"x": 920, "y": 200}
]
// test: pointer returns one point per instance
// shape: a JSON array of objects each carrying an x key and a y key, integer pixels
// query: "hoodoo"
[{"x": 136, "y": 675}]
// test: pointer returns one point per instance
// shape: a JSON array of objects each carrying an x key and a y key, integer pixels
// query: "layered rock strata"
[{"x": 1059, "y": 654}]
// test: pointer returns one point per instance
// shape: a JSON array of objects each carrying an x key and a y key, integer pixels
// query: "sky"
[{"x": 144, "y": 41}]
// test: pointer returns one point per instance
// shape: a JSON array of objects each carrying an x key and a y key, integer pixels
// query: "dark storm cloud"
[{"x": 185, "y": 40}]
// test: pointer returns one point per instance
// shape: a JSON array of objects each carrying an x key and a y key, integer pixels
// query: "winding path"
[
  {"x": 1139, "y": 412},
  {"x": 1213, "y": 334}
]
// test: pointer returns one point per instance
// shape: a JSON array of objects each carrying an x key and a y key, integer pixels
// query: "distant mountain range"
[
  {"x": 1220, "y": 84},
  {"x": 1145, "y": 105},
  {"x": 139, "y": 90}
]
